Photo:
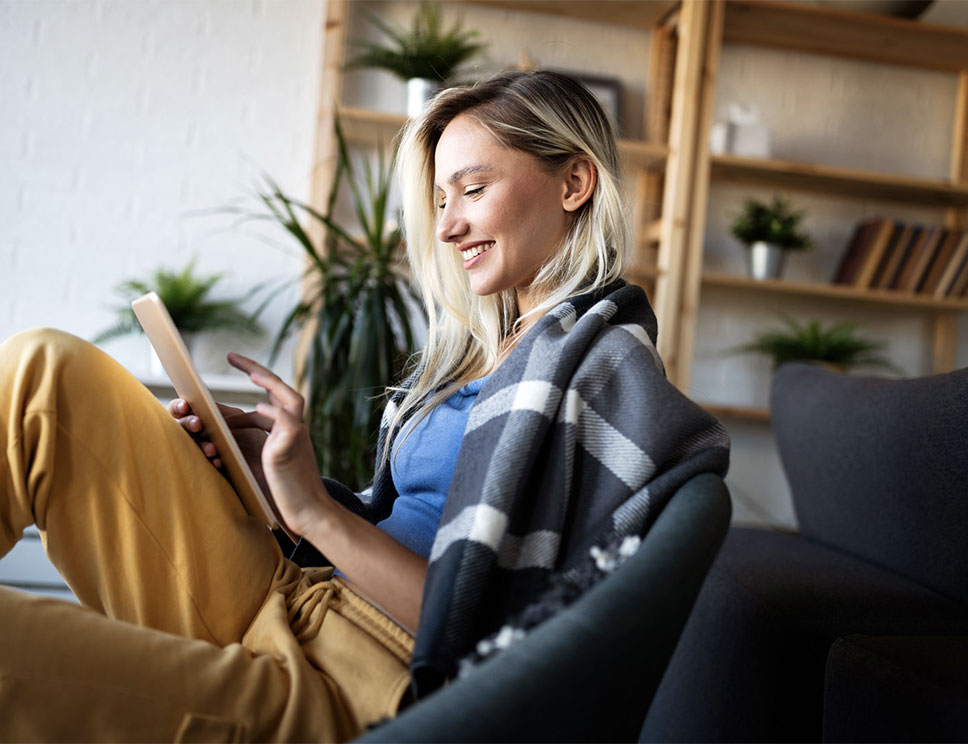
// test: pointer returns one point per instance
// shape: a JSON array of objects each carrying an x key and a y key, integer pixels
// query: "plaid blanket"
[{"x": 575, "y": 442}]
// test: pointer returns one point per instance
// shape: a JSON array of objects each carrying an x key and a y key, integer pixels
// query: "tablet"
[{"x": 173, "y": 353}]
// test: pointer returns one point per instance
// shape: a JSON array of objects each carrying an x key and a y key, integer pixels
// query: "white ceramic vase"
[
  {"x": 765, "y": 260},
  {"x": 419, "y": 93}
]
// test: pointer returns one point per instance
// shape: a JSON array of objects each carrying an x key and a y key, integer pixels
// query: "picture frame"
[{"x": 608, "y": 93}]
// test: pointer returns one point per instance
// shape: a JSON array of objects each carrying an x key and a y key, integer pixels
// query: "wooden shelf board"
[
  {"x": 843, "y": 33},
  {"x": 835, "y": 291},
  {"x": 642, "y": 14},
  {"x": 364, "y": 126},
  {"x": 832, "y": 179},
  {"x": 744, "y": 413}
]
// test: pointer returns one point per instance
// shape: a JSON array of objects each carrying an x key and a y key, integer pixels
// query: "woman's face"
[{"x": 499, "y": 209}]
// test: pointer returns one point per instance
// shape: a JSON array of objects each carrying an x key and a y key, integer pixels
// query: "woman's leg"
[
  {"x": 137, "y": 520},
  {"x": 70, "y": 674}
]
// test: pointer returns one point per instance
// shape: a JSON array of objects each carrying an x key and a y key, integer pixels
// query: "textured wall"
[{"x": 119, "y": 122}]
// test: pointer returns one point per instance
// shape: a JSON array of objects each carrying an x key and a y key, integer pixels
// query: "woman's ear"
[{"x": 580, "y": 179}]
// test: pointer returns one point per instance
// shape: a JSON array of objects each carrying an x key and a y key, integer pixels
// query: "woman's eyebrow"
[{"x": 467, "y": 171}]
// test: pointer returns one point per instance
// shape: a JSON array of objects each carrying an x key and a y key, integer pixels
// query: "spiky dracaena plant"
[
  {"x": 426, "y": 50},
  {"x": 837, "y": 345},
  {"x": 187, "y": 298},
  {"x": 357, "y": 309}
]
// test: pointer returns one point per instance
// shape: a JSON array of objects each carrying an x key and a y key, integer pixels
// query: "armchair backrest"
[{"x": 878, "y": 467}]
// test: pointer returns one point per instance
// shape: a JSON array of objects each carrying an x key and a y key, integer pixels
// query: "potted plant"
[
  {"x": 357, "y": 310},
  {"x": 424, "y": 56},
  {"x": 838, "y": 346},
  {"x": 769, "y": 232},
  {"x": 187, "y": 297}
]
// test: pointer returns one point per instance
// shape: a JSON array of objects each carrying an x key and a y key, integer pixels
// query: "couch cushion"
[
  {"x": 878, "y": 467},
  {"x": 896, "y": 689},
  {"x": 750, "y": 663}
]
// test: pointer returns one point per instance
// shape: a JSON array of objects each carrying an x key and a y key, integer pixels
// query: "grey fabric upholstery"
[
  {"x": 589, "y": 672},
  {"x": 751, "y": 661},
  {"x": 880, "y": 478},
  {"x": 896, "y": 689},
  {"x": 879, "y": 467}
]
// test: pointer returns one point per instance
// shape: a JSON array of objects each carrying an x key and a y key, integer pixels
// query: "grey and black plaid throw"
[{"x": 576, "y": 441}]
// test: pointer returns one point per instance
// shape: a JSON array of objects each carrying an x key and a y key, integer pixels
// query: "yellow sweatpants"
[{"x": 194, "y": 627}]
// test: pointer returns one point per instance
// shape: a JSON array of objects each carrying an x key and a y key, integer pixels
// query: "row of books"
[{"x": 888, "y": 254}]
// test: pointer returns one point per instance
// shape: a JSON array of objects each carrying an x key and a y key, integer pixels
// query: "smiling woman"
[{"x": 532, "y": 445}]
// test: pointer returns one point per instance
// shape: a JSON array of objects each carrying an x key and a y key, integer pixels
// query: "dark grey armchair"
[
  {"x": 588, "y": 673},
  {"x": 855, "y": 629}
]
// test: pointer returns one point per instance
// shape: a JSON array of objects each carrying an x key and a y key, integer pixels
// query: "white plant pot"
[
  {"x": 419, "y": 93},
  {"x": 765, "y": 260}
]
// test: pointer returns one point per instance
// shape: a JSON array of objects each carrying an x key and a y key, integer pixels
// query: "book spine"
[
  {"x": 955, "y": 267},
  {"x": 942, "y": 257},
  {"x": 893, "y": 256},
  {"x": 875, "y": 255}
]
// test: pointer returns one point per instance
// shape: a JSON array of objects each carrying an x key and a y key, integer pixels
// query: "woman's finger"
[
  {"x": 178, "y": 407},
  {"x": 192, "y": 424},
  {"x": 279, "y": 392}
]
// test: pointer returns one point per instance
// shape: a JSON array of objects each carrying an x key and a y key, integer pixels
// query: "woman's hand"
[{"x": 287, "y": 457}]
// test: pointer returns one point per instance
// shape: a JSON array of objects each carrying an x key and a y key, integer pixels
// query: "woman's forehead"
[{"x": 467, "y": 148}]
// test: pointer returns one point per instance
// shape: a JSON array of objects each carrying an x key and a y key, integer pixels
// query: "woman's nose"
[{"x": 452, "y": 226}]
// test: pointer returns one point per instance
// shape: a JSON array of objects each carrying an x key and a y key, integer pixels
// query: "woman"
[{"x": 535, "y": 440}]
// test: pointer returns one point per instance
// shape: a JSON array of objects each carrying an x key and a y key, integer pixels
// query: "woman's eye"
[{"x": 474, "y": 191}]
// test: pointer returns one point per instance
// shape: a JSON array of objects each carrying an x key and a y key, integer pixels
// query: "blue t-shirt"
[{"x": 422, "y": 465}]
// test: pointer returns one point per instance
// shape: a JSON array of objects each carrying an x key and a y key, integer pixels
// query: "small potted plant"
[
  {"x": 186, "y": 296},
  {"x": 425, "y": 56},
  {"x": 838, "y": 346},
  {"x": 769, "y": 232}
]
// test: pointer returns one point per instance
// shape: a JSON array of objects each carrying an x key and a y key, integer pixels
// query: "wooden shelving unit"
[
  {"x": 742, "y": 413},
  {"x": 643, "y": 14},
  {"x": 893, "y": 298},
  {"x": 794, "y": 26},
  {"x": 657, "y": 166},
  {"x": 672, "y": 165},
  {"x": 845, "y": 181},
  {"x": 365, "y": 126}
]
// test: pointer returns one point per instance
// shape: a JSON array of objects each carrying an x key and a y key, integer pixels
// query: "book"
[
  {"x": 942, "y": 258},
  {"x": 874, "y": 256},
  {"x": 893, "y": 255},
  {"x": 910, "y": 254},
  {"x": 854, "y": 253},
  {"x": 912, "y": 275},
  {"x": 956, "y": 266},
  {"x": 960, "y": 288}
]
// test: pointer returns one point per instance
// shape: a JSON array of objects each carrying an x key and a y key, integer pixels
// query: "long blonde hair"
[{"x": 555, "y": 119}]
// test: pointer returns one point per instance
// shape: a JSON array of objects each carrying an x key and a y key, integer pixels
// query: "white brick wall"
[{"x": 118, "y": 120}]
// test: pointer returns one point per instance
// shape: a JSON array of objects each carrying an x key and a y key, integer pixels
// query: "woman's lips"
[{"x": 475, "y": 253}]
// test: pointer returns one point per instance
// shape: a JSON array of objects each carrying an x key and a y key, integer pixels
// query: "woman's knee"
[
  {"x": 44, "y": 351},
  {"x": 43, "y": 341}
]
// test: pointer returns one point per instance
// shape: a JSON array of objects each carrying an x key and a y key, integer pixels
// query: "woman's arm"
[{"x": 389, "y": 574}]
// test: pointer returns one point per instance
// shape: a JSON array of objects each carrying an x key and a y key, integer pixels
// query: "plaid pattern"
[{"x": 576, "y": 441}]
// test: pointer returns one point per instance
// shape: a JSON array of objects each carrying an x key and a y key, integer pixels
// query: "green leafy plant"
[
  {"x": 838, "y": 345},
  {"x": 777, "y": 223},
  {"x": 426, "y": 50},
  {"x": 186, "y": 296},
  {"x": 356, "y": 310}
]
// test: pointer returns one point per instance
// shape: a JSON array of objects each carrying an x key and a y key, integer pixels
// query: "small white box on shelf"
[{"x": 742, "y": 134}]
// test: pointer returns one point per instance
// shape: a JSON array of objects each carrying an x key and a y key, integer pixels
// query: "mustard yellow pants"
[{"x": 194, "y": 627}]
